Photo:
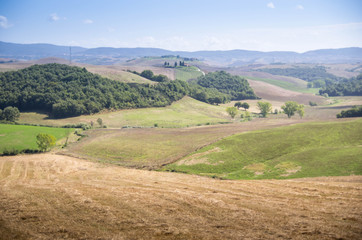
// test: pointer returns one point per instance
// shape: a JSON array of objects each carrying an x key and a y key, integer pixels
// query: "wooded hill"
[
  {"x": 66, "y": 91},
  {"x": 71, "y": 91},
  {"x": 347, "y": 87}
]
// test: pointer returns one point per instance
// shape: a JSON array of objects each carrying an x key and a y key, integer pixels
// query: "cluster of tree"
[
  {"x": 356, "y": 111},
  {"x": 207, "y": 95},
  {"x": 291, "y": 107},
  {"x": 235, "y": 87},
  {"x": 68, "y": 91},
  {"x": 10, "y": 114},
  {"x": 317, "y": 76},
  {"x": 181, "y": 64},
  {"x": 244, "y": 105},
  {"x": 347, "y": 87},
  {"x": 178, "y": 56}
]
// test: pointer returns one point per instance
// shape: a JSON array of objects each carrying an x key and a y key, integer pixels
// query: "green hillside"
[
  {"x": 186, "y": 73},
  {"x": 182, "y": 113},
  {"x": 303, "y": 150}
]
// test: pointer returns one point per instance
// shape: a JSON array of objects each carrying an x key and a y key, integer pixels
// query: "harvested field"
[
  {"x": 49, "y": 196},
  {"x": 274, "y": 93}
]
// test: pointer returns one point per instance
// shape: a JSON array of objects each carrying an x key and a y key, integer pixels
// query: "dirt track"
[{"x": 49, "y": 196}]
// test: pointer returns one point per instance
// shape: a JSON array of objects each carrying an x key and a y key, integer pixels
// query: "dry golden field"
[{"x": 48, "y": 196}]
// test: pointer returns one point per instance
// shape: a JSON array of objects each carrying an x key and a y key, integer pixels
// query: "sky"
[{"x": 186, "y": 25}]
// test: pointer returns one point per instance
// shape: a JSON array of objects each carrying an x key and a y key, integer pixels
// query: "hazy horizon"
[{"x": 279, "y": 25}]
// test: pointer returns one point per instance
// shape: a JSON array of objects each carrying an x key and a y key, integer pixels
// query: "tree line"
[{"x": 347, "y": 87}]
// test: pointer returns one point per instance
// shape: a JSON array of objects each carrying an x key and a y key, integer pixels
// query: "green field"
[
  {"x": 183, "y": 113},
  {"x": 20, "y": 137},
  {"x": 186, "y": 73},
  {"x": 297, "y": 86},
  {"x": 152, "y": 148},
  {"x": 303, "y": 150}
]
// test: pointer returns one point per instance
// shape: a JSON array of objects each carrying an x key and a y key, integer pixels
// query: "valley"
[{"x": 186, "y": 170}]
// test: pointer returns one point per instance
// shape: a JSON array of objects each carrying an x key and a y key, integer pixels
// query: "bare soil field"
[
  {"x": 48, "y": 196},
  {"x": 275, "y": 93}
]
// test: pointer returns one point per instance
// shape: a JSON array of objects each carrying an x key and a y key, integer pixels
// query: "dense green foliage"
[
  {"x": 347, "y": 87},
  {"x": 71, "y": 91},
  {"x": 356, "y": 111},
  {"x": 232, "y": 111},
  {"x": 308, "y": 74},
  {"x": 236, "y": 87},
  {"x": 291, "y": 107},
  {"x": 264, "y": 107},
  {"x": 45, "y": 141},
  {"x": 10, "y": 114},
  {"x": 303, "y": 150}
]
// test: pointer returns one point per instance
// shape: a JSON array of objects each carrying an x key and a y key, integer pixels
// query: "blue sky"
[{"x": 274, "y": 25}]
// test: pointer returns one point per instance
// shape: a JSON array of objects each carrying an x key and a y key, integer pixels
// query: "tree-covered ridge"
[
  {"x": 235, "y": 87},
  {"x": 71, "y": 91},
  {"x": 347, "y": 87},
  {"x": 305, "y": 73}
]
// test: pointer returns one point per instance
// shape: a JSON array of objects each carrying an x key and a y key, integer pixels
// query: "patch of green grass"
[
  {"x": 298, "y": 86},
  {"x": 186, "y": 73},
  {"x": 20, "y": 137},
  {"x": 303, "y": 150},
  {"x": 183, "y": 113}
]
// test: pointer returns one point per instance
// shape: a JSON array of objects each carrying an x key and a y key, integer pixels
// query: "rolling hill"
[{"x": 108, "y": 55}]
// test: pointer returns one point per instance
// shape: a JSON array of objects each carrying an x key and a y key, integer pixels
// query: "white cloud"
[
  {"x": 4, "y": 22},
  {"x": 270, "y": 5},
  {"x": 300, "y": 7},
  {"x": 54, "y": 17},
  {"x": 87, "y": 21}
]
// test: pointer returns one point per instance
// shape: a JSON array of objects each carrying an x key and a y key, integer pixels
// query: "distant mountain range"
[{"x": 108, "y": 55}]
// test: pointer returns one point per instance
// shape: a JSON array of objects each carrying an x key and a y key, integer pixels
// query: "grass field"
[
  {"x": 152, "y": 148},
  {"x": 186, "y": 73},
  {"x": 19, "y": 137},
  {"x": 183, "y": 113},
  {"x": 48, "y": 196},
  {"x": 304, "y": 150}
]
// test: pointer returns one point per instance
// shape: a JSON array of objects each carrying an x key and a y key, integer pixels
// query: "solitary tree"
[
  {"x": 147, "y": 74},
  {"x": 45, "y": 141},
  {"x": 264, "y": 107},
  {"x": 175, "y": 64},
  {"x": 290, "y": 108},
  {"x": 237, "y": 104},
  {"x": 100, "y": 122},
  {"x": 245, "y": 105},
  {"x": 300, "y": 110},
  {"x": 10, "y": 114},
  {"x": 232, "y": 111}
]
